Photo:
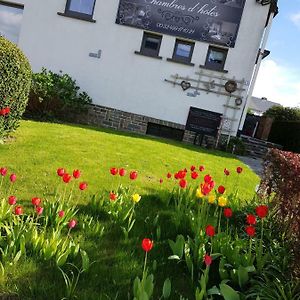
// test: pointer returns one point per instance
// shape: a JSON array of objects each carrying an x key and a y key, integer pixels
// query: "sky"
[{"x": 279, "y": 75}]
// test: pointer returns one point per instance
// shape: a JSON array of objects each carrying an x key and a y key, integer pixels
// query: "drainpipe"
[{"x": 255, "y": 73}]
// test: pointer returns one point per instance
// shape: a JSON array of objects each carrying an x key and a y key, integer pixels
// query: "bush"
[
  {"x": 286, "y": 134},
  {"x": 52, "y": 95},
  {"x": 236, "y": 146},
  {"x": 15, "y": 81},
  {"x": 282, "y": 177},
  {"x": 279, "y": 113}
]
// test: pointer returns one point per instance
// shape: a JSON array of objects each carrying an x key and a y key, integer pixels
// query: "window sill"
[
  {"x": 148, "y": 55},
  {"x": 212, "y": 69},
  {"x": 78, "y": 17},
  {"x": 180, "y": 62}
]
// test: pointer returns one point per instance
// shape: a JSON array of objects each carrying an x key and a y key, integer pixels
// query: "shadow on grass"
[{"x": 165, "y": 141}]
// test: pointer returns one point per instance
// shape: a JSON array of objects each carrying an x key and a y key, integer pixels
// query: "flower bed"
[{"x": 222, "y": 247}]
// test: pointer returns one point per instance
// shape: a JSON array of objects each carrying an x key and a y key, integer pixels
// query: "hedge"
[{"x": 15, "y": 82}]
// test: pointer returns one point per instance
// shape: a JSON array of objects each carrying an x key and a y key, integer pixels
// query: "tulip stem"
[{"x": 144, "y": 270}]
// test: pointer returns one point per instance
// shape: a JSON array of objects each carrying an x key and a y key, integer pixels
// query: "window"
[
  {"x": 85, "y": 7},
  {"x": 79, "y": 9},
  {"x": 183, "y": 52},
  {"x": 10, "y": 21},
  {"x": 216, "y": 58},
  {"x": 150, "y": 45}
]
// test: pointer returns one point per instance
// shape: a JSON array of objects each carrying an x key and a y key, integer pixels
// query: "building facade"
[{"x": 171, "y": 68}]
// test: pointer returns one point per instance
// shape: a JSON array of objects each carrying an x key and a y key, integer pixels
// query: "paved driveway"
[{"x": 255, "y": 164}]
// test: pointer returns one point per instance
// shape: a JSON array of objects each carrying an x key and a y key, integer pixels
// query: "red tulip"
[
  {"x": 114, "y": 171},
  {"x": 147, "y": 245},
  {"x": 193, "y": 168},
  {"x": 251, "y": 219},
  {"x": 7, "y": 110},
  {"x": 239, "y": 170},
  {"x": 12, "y": 200},
  {"x": 207, "y": 260},
  {"x": 176, "y": 176},
  {"x": 133, "y": 175},
  {"x": 207, "y": 178},
  {"x": 3, "y": 171},
  {"x": 161, "y": 181},
  {"x": 183, "y": 183},
  {"x": 76, "y": 174},
  {"x": 182, "y": 174},
  {"x": 221, "y": 189},
  {"x": 226, "y": 172},
  {"x": 61, "y": 213},
  {"x": 60, "y": 172},
  {"x": 122, "y": 172},
  {"x": 36, "y": 201},
  {"x": 13, "y": 178},
  {"x": 228, "y": 212},
  {"x": 113, "y": 196},
  {"x": 201, "y": 168},
  {"x": 83, "y": 186},
  {"x": 250, "y": 230},
  {"x": 262, "y": 211},
  {"x": 72, "y": 223},
  {"x": 39, "y": 210},
  {"x": 66, "y": 178},
  {"x": 169, "y": 175},
  {"x": 194, "y": 175},
  {"x": 210, "y": 230},
  {"x": 18, "y": 210}
]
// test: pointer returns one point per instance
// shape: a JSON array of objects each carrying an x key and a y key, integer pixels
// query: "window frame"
[
  {"x": 146, "y": 51},
  {"x": 213, "y": 66},
  {"x": 183, "y": 59},
  {"x": 13, "y": 5},
  {"x": 78, "y": 15}
]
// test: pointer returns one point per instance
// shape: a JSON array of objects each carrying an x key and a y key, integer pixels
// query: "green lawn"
[{"x": 40, "y": 148}]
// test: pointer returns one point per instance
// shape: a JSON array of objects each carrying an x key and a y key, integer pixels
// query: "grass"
[{"x": 40, "y": 148}]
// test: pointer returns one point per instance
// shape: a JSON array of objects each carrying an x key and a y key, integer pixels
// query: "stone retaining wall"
[{"x": 116, "y": 119}]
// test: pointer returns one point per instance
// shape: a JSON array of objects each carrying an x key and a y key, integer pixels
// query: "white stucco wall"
[{"x": 122, "y": 79}]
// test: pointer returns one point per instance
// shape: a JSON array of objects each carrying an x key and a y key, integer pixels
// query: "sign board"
[
  {"x": 203, "y": 121},
  {"x": 212, "y": 21}
]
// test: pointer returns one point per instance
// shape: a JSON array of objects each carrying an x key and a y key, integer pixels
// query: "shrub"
[
  {"x": 52, "y": 95},
  {"x": 282, "y": 177},
  {"x": 15, "y": 80},
  {"x": 286, "y": 133},
  {"x": 236, "y": 146},
  {"x": 279, "y": 113}
]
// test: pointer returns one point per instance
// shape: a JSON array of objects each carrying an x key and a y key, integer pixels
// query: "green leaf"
[
  {"x": 136, "y": 285},
  {"x": 17, "y": 257},
  {"x": 214, "y": 291},
  {"x": 61, "y": 260},
  {"x": 85, "y": 261},
  {"x": 243, "y": 276},
  {"x": 228, "y": 293},
  {"x": 148, "y": 285},
  {"x": 178, "y": 246},
  {"x": 174, "y": 257},
  {"x": 167, "y": 288}
]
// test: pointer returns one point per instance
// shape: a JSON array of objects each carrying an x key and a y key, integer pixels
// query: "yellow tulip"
[
  {"x": 222, "y": 201},
  {"x": 136, "y": 198},
  {"x": 211, "y": 199},
  {"x": 199, "y": 193}
]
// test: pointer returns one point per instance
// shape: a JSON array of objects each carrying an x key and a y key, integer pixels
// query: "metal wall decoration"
[
  {"x": 208, "y": 82},
  {"x": 213, "y": 21}
]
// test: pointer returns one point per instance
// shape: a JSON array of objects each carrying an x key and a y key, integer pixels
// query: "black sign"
[
  {"x": 214, "y": 21},
  {"x": 203, "y": 121}
]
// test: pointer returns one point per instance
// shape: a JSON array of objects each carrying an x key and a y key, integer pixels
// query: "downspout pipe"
[{"x": 256, "y": 69}]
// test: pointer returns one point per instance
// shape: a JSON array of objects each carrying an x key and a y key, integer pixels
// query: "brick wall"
[{"x": 116, "y": 119}]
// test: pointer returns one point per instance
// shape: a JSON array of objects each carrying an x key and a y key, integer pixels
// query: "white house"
[{"x": 150, "y": 66}]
